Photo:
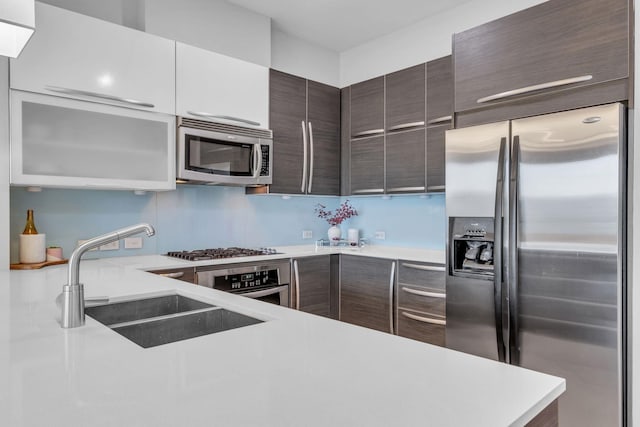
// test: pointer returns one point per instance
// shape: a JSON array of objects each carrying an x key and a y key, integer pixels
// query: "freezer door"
[
  {"x": 565, "y": 257},
  {"x": 474, "y": 306}
]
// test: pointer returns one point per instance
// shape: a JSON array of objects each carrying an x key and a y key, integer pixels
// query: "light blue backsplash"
[{"x": 195, "y": 217}]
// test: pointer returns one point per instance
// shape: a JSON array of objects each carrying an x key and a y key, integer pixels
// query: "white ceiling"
[{"x": 339, "y": 25}]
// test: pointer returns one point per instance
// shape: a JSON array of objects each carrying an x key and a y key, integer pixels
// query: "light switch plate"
[
  {"x": 380, "y": 235},
  {"x": 133, "y": 243},
  {"x": 113, "y": 246},
  {"x": 307, "y": 234}
]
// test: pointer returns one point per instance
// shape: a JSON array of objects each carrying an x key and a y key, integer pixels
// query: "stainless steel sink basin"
[
  {"x": 144, "y": 308},
  {"x": 163, "y": 331},
  {"x": 150, "y": 322}
]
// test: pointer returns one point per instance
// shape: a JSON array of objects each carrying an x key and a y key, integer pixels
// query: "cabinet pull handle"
[
  {"x": 369, "y": 191},
  {"x": 533, "y": 88},
  {"x": 423, "y": 267},
  {"x": 424, "y": 319},
  {"x": 70, "y": 91},
  {"x": 404, "y": 189},
  {"x": 435, "y": 187},
  {"x": 443, "y": 119},
  {"x": 406, "y": 126},
  {"x": 304, "y": 157},
  {"x": 424, "y": 293},
  {"x": 220, "y": 116},
  {"x": 368, "y": 133},
  {"x": 297, "y": 276},
  {"x": 391, "y": 283},
  {"x": 311, "y": 155}
]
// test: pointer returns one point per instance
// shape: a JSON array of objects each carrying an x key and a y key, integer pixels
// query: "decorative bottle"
[{"x": 32, "y": 244}]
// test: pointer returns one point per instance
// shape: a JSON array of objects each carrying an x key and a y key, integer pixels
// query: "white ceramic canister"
[{"x": 33, "y": 248}]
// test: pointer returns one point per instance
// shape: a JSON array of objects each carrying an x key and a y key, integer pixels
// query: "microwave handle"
[{"x": 257, "y": 160}]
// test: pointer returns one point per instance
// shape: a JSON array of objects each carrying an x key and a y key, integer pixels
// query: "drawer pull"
[
  {"x": 439, "y": 120},
  {"x": 423, "y": 267},
  {"x": 424, "y": 293},
  {"x": 406, "y": 126},
  {"x": 425, "y": 319},
  {"x": 368, "y": 133},
  {"x": 371, "y": 191},
  {"x": 404, "y": 189},
  {"x": 435, "y": 188},
  {"x": 70, "y": 91},
  {"x": 219, "y": 116},
  {"x": 533, "y": 88}
]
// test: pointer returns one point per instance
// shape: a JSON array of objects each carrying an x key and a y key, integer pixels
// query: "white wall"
[
  {"x": 295, "y": 56},
  {"x": 4, "y": 163},
  {"x": 213, "y": 25},
  {"x": 427, "y": 39}
]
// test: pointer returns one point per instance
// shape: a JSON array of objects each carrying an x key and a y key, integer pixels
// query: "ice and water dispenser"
[{"x": 471, "y": 247}]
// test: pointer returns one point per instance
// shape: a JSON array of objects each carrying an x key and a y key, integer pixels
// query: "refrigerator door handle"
[
  {"x": 497, "y": 254},
  {"x": 514, "y": 344}
]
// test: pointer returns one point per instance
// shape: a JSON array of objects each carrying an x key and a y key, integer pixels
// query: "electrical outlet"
[
  {"x": 133, "y": 243},
  {"x": 113, "y": 246},
  {"x": 81, "y": 241},
  {"x": 307, "y": 234},
  {"x": 380, "y": 235}
]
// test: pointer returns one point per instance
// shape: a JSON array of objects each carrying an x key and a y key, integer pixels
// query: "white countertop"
[{"x": 294, "y": 369}]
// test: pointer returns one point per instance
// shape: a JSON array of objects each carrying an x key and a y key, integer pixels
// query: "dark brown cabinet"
[
  {"x": 405, "y": 98},
  {"x": 421, "y": 300},
  {"x": 311, "y": 280},
  {"x": 393, "y": 130},
  {"x": 557, "y": 55},
  {"x": 367, "y": 108},
  {"x": 366, "y": 292},
  {"x": 305, "y": 119},
  {"x": 184, "y": 274},
  {"x": 405, "y": 162},
  {"x": 367, "y": 165}
]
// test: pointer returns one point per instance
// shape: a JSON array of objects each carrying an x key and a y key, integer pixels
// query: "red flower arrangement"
[{"x": 344, "y": 211}]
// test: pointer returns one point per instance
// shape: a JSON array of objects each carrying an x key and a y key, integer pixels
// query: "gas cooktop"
[{"x": 217, "y": 253}]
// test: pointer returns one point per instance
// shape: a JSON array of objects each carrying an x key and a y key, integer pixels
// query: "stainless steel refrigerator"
[{"x": 536, "y": 249}]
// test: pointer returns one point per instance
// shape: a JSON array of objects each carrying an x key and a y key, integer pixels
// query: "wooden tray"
[{"x": 37, "y": 265}]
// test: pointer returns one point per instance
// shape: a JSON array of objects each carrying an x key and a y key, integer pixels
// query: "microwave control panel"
[{"x": 264, "y": 168}]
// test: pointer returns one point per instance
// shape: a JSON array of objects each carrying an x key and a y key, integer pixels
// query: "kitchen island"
[{"x": 293, "y": 369}]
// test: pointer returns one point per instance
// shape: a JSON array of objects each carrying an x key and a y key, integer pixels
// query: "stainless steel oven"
[
  {"x": 216, "y": 153},
  {"x": 266, "y": 281}
]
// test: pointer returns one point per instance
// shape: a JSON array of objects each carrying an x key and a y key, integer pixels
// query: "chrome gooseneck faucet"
[{"x": 73, "y": 291}]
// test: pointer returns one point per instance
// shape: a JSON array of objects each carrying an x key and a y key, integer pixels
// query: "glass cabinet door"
[{"x": 59, "y": 142}]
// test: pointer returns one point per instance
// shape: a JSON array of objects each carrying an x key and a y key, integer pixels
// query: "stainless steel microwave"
[{"x": 222, "y": 154}]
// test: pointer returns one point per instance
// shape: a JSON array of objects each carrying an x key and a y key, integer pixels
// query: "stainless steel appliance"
[
  {"x": 221, "y": 154},
  {"x": 536, "y": 249},
  {"x": 267, "y": 281}
]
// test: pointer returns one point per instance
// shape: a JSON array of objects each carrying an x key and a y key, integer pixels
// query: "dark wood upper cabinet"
[
  {"x": 405, "y": 98},
  {"x": 559, "y": 46},
  {"x": 439, "y": 91},
  {"x": 366, "y": 292},
  {"x": 405, "y": 162},
  {"x": 297, "y": 105},
  {"x": 312, "y": 279},
  {"x": 367, "y": 165},
  {"x": 323, "y": 117},
  {"x": 345, "y": 141},
  {"x": 287, "y": 111},
  {"x": 367, "y": 107}
]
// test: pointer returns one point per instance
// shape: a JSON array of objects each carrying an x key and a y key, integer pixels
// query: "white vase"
[{"x": 334, "y": 234}]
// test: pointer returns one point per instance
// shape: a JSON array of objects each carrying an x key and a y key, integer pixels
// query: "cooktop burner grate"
[{"x": 217, "y": 253}]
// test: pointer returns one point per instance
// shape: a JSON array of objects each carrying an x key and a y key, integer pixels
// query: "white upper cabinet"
[
  {"x": 76, "y": 56},
  {"x": 216, "y": 87}
]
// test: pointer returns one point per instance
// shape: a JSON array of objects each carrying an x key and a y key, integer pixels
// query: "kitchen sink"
[
  {"x": 151, "y": 322},
  {"x": 144, "y": 308}
]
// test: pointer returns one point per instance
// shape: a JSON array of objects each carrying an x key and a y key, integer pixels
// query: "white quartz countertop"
[{"x": 295, "y": 369}]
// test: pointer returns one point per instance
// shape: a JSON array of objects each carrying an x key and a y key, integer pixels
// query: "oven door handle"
[{"x": 264, "y": 292}]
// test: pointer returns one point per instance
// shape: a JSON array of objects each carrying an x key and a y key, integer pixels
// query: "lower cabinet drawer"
[
  {"x": 422, "y": 327},
  {"x": 421, "y": 299}
]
